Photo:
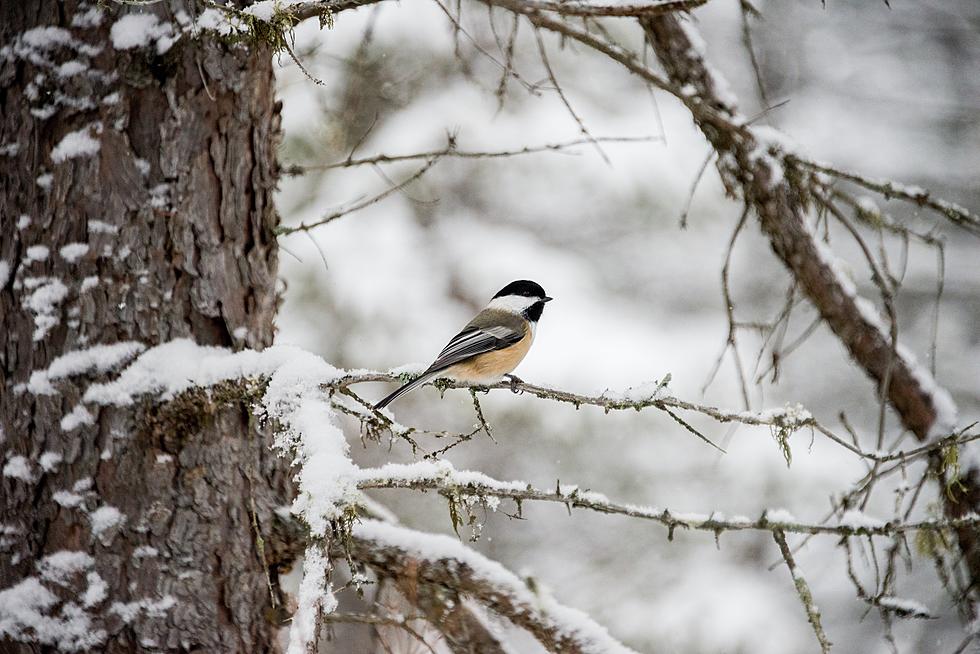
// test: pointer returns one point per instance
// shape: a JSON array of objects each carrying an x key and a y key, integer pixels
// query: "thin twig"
[
  {"x": 450, "y": 150},
  {"x": 890, "y": 189},
  {"x": 561, "y": 94},
  {"x": 283, "y": 231},
  {"x": 803, "y": 590}
]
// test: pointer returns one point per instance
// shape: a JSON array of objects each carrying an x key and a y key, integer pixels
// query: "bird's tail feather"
[{"x": 410, "y": 386}]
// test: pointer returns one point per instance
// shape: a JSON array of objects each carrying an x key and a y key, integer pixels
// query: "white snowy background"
[{"x": 888, "y": 92}]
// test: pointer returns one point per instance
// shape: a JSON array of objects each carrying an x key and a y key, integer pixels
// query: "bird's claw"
[{"x": 514, "y": 381}]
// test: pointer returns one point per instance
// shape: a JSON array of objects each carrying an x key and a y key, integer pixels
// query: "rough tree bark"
[{"x": 168, "y": 184}]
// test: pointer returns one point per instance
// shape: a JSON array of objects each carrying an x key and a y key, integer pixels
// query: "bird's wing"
[
  {"x": 490, "y": 330},
  {"x": 475, "y": 340}
]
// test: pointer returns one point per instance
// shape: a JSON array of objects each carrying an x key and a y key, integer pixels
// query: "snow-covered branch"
[
  {"x": 655, "y": 395},
  {"x": 465, "y": 486},
  {"x": 434, "y": 559}
]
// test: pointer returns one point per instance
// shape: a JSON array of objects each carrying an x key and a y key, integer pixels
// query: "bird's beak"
[{"x": 547, "y": 299}]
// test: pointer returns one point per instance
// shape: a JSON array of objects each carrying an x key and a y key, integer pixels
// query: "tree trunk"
[{"x": 137, "y": 176}]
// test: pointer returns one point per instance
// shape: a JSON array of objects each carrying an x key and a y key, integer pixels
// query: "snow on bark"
[
  {"x": 140, "y": 31},
  {"x": 79, "y": 143}
]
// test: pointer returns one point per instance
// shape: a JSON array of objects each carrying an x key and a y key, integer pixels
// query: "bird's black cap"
[{"x": 523, "y": 287}]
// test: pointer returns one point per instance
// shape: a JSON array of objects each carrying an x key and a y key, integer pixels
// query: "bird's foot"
[{"x": 514, "y": 381}]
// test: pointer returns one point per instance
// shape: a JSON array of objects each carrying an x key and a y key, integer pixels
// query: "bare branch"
[
  {"x": 634, "y": 9},
  {"x": 283, "y": 231},
  {"x": 543, "y": 52},
  {"x": 450, "y": 150}
]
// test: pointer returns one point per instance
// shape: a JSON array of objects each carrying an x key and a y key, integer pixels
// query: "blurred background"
[{"x": 889, "y": 92}]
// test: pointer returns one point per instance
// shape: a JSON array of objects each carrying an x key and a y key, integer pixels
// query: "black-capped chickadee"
[{"x": 492, "y": 344}]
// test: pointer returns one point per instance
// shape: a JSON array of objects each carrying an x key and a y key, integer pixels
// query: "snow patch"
[
  {"x": 908, "y": 608},
  {"x": 173, "y": 367},
  {"x": 49, "y": 461},
  {"x": 73, "y": 251},
  {"x": 96, "y": 592},
  {"x": 71, "y": 68},
  {"x": 129, "y": 611},
  {"x": 18, "y": 467},
  {"x": 79, "y": 416},
  {"x": 91, "y": 18},
  {"x": 24, "y": 617},
  {"x": 43, "y": 302},
  {"x": 99, "y": 227},
  {"x": 780, "y": 515},
  {"x": 67, "y": 499},
  {"x": 855, "y": 519},
  {"x": 140, "y": 31},
  {"x": 100, "y": 358},
  {"x": 314, "y": 596},
  {"x": 36, "y": 253},
  {"x": 62, "y": 565},
  {"x": 104, "y": 518},
  {"x": 145, "y": 552},
  {"x": 76, "y": 144}
]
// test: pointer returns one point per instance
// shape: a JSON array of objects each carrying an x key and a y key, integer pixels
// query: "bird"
[{"x": 491, "y": 345}]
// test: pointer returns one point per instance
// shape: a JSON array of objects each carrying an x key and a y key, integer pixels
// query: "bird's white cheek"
[{"x": 512, "y": 303}]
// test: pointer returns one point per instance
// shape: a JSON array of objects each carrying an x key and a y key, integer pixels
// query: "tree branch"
[
  {"x": 889, "y": 189},
  {"x": 443, "y": 561},
  {"x": 451, "y": 151},
  {"x": 454, "y": 484},
  {"x": 362, "y": 204},
  {"x": 635, "y": 9},
  {"x": 803, "y": 590},
  {"x": 755, "y": 169},
  {"x": 759, "y": 170},
  {"x": 784, "y": 420}
]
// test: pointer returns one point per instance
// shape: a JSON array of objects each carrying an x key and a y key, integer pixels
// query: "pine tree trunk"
[{"x": 152, "y": 222}]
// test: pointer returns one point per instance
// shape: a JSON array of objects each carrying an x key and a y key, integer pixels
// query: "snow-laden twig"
[
  {"x": 891, "y": 189},
  {"x": 654, "y": 395},
  {"x": 442, "y": 477}
]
